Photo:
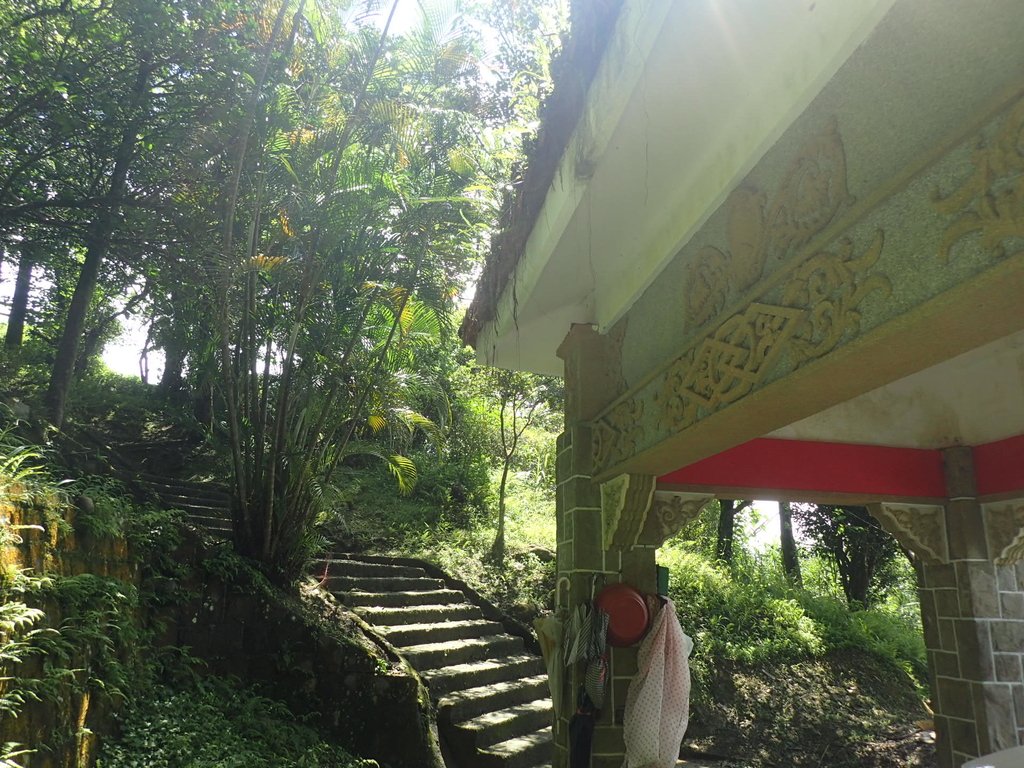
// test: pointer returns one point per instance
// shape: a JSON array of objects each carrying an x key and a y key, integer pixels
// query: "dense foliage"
[
  {"x": 209, "y": 721},
  {"x": 290, "y": 196}
]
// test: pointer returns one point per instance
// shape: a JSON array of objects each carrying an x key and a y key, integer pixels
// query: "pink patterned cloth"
[{"x": 658, "y": 702}]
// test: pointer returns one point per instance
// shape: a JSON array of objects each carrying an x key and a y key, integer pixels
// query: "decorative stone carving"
[
  {"x": 800, "y": 318},
  {"x": 625, "y": 502},
  {"x": 812, "y": 193},
  {"x": 820, "y": 310},
  {"x": 727, "y": 364},
  {"x": 618, "y": 432},
  {"x": 831, "y": 286},
  {"x": 669, "y": 513},
  {"x": 1004, "y": 530},
  {"x": 921, "y": 528},
  {"x": 990, "y": 202}
]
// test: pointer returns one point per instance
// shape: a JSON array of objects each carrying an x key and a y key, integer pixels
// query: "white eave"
[{"x": 689, "y": 96}]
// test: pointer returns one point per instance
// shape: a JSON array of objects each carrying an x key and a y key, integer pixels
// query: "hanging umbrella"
[
  {"x": 596, "y": 676},
  {"x": 581, "y": 732},
  {"x": 549, "y": 635}
]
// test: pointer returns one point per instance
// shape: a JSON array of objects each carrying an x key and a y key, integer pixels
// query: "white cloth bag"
[{"x": 658, "y": 702}]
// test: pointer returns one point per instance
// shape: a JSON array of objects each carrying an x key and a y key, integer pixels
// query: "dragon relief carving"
[
  {"x": 1004, "y": 527},
  {"x": 810, "y": 196},
  {"x": 921, "y": 528},
  {"x": 991, "y": 201}
]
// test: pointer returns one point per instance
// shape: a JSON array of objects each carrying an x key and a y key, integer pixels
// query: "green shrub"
[
  {"x": 740, "y": 617},
  {"x": 751, "y": 614},
  {"x": 215, "y": 723}
]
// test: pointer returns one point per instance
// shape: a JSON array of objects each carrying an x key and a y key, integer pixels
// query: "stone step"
[
  {"x": 178, "y": 499},
  {"x": 342, "y": 567},
  {"x": 213, "y": 487},
  {"x": 211, "y": 523},
  {"x": 396, "y": 599},
  {"x": 475, "y": 674},
  {"x": 492, "y": 697},
  {"x": 178, "y": 490},
  {"x": 342, "y": 584},
  {"x": 467, "y": 703},
  {"x": 504, "y": 724},
  {"x": 434, "y": 655},
  {"x": 219, "y": 513},
  {"x": 536, "y": 748},
  {"x": 418, "y": 634},
  {"x": 418, "y": 614}
]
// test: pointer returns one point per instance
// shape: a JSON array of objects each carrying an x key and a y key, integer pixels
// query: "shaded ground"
[{"x": 847, "y": 710}]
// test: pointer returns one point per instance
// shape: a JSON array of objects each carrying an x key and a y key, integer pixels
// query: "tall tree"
[
  {"x": 729, "y": 510},
  {"x": 518, "y": 396},
  {"x": 346, "y": 228},
  {"x": 19, "y": 299},
  {"x": 787, "y": 543},
  {"x": 853, "y": 541}
]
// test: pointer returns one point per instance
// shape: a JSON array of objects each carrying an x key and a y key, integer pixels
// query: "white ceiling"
[{"x": 972, "y": 399}]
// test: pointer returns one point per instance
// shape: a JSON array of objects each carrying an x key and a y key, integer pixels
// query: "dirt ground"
[{"x": 847, "y": 710}]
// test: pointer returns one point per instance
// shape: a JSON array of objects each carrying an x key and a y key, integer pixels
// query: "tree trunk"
[
  {"x": 498, "y": 548},
  {"x": 97, "y": 245},
  {"x": 790, "y": 560},
  {"x": 19, "y": 301},
  {"x": 858, "y": 581},
  {"x": 726, "y": 530}
]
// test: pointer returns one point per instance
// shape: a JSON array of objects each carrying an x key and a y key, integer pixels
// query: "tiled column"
[
  {"x": 973, "y": 615},
  {"x": 584, "y": 560}
]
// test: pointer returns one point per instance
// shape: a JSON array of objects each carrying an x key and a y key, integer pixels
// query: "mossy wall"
[
  {"x": 303, "y": 648},
  {"x": 66, "y": 710}
]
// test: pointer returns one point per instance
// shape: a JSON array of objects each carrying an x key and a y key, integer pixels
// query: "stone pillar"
[
  {"x": 972, "y": 608},
  {"x": 581, "y": 555},
  {"x": 587, "y": 565},
  {"x": 607, "y": 532}
]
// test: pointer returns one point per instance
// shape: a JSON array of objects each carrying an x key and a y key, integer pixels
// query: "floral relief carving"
[
  {"x": 707, "y": 286},
  {"x": 613, "y": 501},
  {"x": 1004, "y": 525},
  {"x": 831, "y": 285},
  {"x": 921, "y": 528},
  {"x": 990, "y": 202},
  {"x": 669, "y": 513},
  {"x": 812, "y": 193},
  {"x": 625, "y": 502}
]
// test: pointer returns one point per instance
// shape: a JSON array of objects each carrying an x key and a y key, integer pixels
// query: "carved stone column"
[
  {"x": 582, "y": 559},
  {"x": 972, "y": 609}
]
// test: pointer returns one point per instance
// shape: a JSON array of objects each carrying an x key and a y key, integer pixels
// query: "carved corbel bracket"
[
  {"x": 1004, "y": 530},
  {"x": 634, "y": 514},
  {"x": 668, "y": 514},
  {"x": 625, "y": 502},
  {"x": 921, "y": 528}
]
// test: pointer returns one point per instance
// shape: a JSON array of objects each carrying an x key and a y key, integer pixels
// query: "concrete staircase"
[
  {"x": 207, "y": 505},
  {"x": 491, "y": 693}
]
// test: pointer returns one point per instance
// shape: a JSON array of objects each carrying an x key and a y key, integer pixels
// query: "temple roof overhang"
[{"x": 685, "y": 100}]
